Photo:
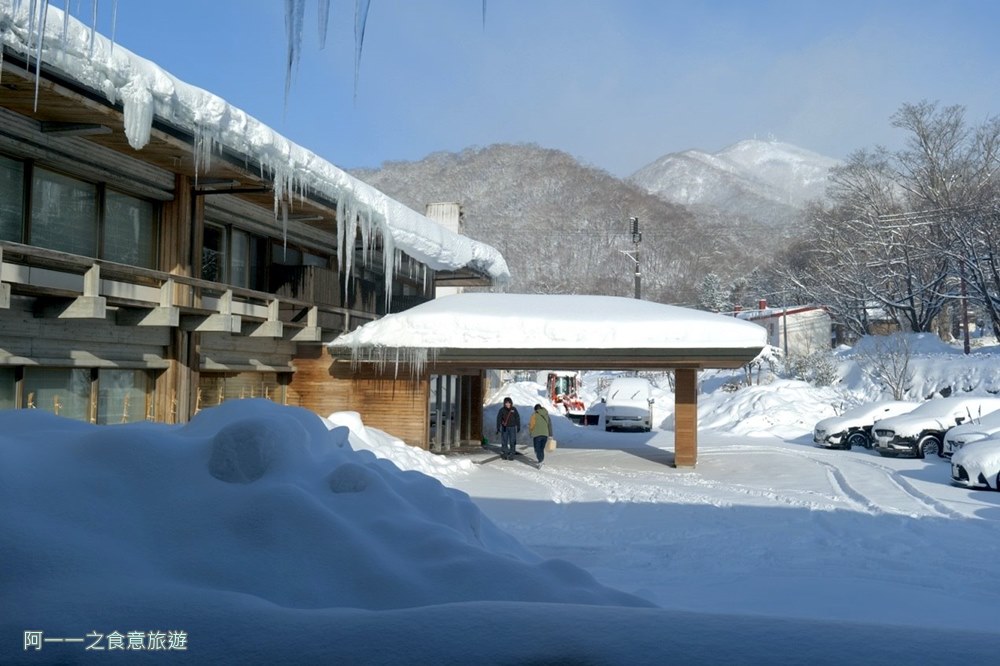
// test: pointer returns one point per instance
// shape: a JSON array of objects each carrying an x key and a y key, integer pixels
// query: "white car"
[
  {"x": 977, "y": 465},
  {"x": 920, "y": 432},
  {"x": 628, "y": 405},
  {"x": 854, "y": 427},
  {"x": 972, "y": 431}
]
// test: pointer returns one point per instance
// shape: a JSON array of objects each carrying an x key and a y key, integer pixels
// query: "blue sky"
[{"x": 616, "y": 83}]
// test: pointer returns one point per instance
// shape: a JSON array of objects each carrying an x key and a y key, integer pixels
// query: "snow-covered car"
[
  {"x": 628, "y": 405},
  {"x": 854, "y": 427},
  {"x": 977, "y": 465},
  {"x": 971, "y": 431},
  {"x": 920, "y": 432}
]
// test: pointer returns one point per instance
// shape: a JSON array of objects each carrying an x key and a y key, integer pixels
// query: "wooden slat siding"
[
  {"x": 686, "y": 418},
  {"x": 311, "y": 386},
  {"x": 397, "y": 406},
  {"x": 239, "y": 353},
  {"x": 82, "y": 158}
]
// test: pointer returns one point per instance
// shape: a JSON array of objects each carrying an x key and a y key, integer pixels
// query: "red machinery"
[{"x": 562, "y": 391}]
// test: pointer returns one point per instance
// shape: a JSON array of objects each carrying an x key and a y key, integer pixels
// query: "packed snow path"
[{"x": 761, "y": 523}]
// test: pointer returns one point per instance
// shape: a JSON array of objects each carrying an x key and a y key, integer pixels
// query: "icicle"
[
  {"x": 284, "y": 229},
  {"x": 324, "y": 20},
  {"x": 38, "y": 53},
  {"x": 484, "y": 15},
  {"x": 360, "y": 19},
  {"x": 93, "y": 28},
  {"x": 114, "y": 23},
  {"x": 294, "y": 14},
  {"x": 65, "y": 30},
  {"x": 31, "y": 32}
]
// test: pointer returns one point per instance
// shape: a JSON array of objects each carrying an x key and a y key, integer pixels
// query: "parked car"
[
  {"x": 854, "y": 427},
  {"x": 628, "y": 404},
  {"x": 972, "y": 431},
  {"x": 920, "y": 432},
  {"x": 977, "y": 465}
]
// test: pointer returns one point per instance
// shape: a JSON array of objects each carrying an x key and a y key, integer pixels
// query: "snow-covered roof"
[
  {"x": 574, "y": 329},
  {"x": 41, "y": 32}
]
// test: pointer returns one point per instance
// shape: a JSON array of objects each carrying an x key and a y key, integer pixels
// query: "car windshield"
[{"x": 938, "y": 408}]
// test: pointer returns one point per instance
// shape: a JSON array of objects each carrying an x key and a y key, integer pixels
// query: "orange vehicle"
[{"x": 562, "y": 392}]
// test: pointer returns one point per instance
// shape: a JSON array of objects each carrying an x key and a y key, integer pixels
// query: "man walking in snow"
[
  {"x": 508, "y": 425},
  {"x": 540, "y": 427}
]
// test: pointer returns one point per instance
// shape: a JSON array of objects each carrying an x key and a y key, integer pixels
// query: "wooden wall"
[
  {"x": 399, "y": 405},
  {"x": 686, "y": 418},
  {"x": 94, "y": 343}
]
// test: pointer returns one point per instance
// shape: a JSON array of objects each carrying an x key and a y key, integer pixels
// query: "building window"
[
  {"x": 285, "y": 255},
  {"x": 249, "y": 258},
  {"x": 123, "y": 396},
  {"x": 214, "y": 388},
  {"x": 63, "y": 213},
  {"x": 213, "y": 254},
  {"x": 62, "y": 391},
  {"x": 11, "y": 200},
  {"x": 129, "y": 230}
]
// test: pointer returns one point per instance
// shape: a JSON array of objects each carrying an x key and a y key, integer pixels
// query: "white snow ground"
[{"x": 265, "y": 537}]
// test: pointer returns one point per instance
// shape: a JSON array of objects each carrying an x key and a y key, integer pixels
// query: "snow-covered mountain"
[{"x": 767, "y": 182}]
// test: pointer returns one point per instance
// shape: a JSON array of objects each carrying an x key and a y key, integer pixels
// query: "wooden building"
[
  {"x": 154, "y": 263},
  {"x": 451, "y": 342}
]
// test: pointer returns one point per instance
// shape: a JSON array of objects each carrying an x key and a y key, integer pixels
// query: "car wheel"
[
  {"x": 929, "y": 445},
  {"x": 856, "y": 439},
  {"x": 607, "y": 428}
]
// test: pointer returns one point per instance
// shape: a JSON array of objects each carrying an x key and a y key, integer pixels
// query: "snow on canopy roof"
[
  {"x": 76, "y": 51},
  {"x": 542, "y": 321}
]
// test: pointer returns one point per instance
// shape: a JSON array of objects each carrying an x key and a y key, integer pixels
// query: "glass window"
[
  {"x": 214, "y": 388},
  {"x": 129, "y": 230},
  {"x": 248, "y": 261},
  {"x": 213, "y": 254},
  {"x": 258, "y": 263},
  {"x": 62, "y": 391},
  {"x": 11, "y": 199},
  {"x": 122, "y": 396},
  {"x": 63, "y": 213},
  {"x": 8, "y": 388},
  {"x": 240, "y": 275},
  {"x": 285, "y": 255},
  {"x": 313, "y": 260}
]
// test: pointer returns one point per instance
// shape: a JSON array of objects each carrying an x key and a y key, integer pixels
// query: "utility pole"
[{"x": 636, "y": 237}]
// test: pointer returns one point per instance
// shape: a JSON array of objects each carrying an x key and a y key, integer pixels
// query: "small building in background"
[{"x": 797, "y": 330}]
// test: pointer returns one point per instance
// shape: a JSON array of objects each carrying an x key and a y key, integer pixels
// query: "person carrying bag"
[{"x": 540, "y": 427}]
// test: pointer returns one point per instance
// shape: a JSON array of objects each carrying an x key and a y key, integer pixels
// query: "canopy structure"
[{"x": 537, "y": 331}]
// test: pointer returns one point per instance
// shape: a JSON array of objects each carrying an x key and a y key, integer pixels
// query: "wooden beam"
[
  {"x": 272, "y": 328},
  {"x": 311, "y": 332},
  {"x": 73, "y": 129},
  {"x": 91, "y": 305},
  {"x": 685, "y": 418}
]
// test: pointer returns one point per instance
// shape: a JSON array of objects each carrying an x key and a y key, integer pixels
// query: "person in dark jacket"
[
  {"x": 508, "y": 425},
  {"x": 540, "y": 427}
]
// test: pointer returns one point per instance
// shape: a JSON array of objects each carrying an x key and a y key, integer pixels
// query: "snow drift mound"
[{"x": 250, "y": 499}]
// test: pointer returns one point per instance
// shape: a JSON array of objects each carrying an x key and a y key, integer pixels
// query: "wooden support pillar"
[{"x": 685, "y": 417}]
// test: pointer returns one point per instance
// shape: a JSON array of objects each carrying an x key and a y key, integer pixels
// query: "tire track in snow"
[{"x": 927, "y": 505}]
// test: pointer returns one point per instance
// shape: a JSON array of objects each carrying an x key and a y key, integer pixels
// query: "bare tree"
[
  {"x": 887, "y": 363},
  {"x": 897, "y": 235}
]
